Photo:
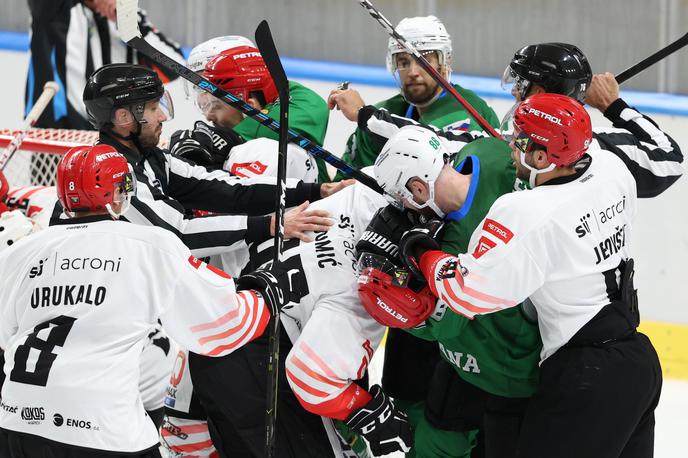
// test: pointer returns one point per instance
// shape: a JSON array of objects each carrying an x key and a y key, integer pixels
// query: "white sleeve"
[
  {"x": 502, "y": 267},
  {"x": 206, "y": 314},
  {"x": 333, "y": 350},
  {"x": 258, "y": 158}
]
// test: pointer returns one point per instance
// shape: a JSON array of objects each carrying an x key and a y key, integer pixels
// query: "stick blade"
[
  {"x": 128, "y": 19},
  {"x": 267, "y": 48}
]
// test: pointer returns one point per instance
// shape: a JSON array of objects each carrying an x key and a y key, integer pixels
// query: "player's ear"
[
  {"x": 418, "y": 188},
  {"x": 122, "y": 117}
]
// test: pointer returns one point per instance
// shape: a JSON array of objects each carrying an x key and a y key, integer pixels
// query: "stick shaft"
[
  {"x": 446, "y": 85},
  {"x": 671, "y": 48},
  {"x": 49, "y": 90}
]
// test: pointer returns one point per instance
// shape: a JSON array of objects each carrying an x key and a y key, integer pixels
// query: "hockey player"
[
  {"x": 476, "y": 385},
  {"x": 420, "y": 97},
  {"x": 240, "y": 70},
  {"x": 564, "y": 229},
  {"x": 125, "y": 103},
  {"x": 330, "y": 341},
  {"x": 73, "y": 332}
]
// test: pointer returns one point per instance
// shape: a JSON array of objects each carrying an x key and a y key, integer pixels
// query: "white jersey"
[
  {"x": 37, "y": 203},
  {"x": 333, "y": 336},
  {"x": 259, "y": 157},
  {"x": 77, "y": 302},
  {"x": 561, "y": 243}
]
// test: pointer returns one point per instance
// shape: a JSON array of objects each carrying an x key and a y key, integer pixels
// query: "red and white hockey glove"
[
  {"x": 384, "y": 426},
  {"x": 417, "y": 241}
]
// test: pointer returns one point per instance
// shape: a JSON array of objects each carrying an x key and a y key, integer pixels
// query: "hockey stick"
[
  {"x": 446, "y": 85},
  {"x": 651, "y": 60},
  {"x": 49, "y": 90},
  {"x": 127, "y": 24},
  {"x": 266, "y": 45}
]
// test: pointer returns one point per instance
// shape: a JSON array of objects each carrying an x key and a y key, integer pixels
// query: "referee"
[{"x": 70, "y": 39}]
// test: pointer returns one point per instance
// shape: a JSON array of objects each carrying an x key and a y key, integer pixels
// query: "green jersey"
[
  {"x": 444, "y": 113},
  {"x": 308, "y": 116},
  {"x": 498, "y": 353}
]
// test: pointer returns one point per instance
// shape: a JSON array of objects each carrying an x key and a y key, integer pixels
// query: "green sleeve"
[{"x": 308, "y": 116}]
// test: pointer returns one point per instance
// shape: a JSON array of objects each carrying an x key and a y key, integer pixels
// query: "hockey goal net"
[{"x": 36, "y": 160}]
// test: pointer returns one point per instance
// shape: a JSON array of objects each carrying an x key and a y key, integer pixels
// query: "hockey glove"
[
  {"x": 204, "y": 145},
  {"x": 274, "y": 284},
  {"x": 417, "y": 241},
  {"x": 384, "y": 232},
  {"x": 384, "y": 426}
]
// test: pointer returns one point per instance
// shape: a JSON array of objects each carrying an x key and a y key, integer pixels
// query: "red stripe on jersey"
[
  {"x": 459, "y": 311},
  {"x": 219, "y": 272},
  {"x": 262, "y": 323},
  {"x": 498, "y": 230},
  {"x": 341, "y": 406},
  {"x": 195, "y": 447},
  {"x": 15, "y": 191},
  {"x": 316, "y": 359},
  {"x": 219, "y": 322},
  {"x": 454, "y": 298},
  {"x": 243, "y": 311},
  {"x": 311, "y": 373},
  {"x": 305, "y": 386}
]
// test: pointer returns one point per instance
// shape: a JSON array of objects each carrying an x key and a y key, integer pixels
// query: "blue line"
[
  {"x": 475, "y": 177},
  {"x": 653, "y": 102}
]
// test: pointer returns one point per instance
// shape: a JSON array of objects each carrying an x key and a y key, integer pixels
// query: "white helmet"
[
  {"x": 425, "y": 33},
  {"x": 13, "y": 226},
  {"x": 412, "y": 152},
  {"x": 201, "y": 54}
]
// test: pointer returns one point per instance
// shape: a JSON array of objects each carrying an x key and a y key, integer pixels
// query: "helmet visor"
[
  {"x": 207, "y": 103},
  {"x": 167, "y": 106},
  {"x": 125, "y": 189},
  {"x": 510, "y": 81},
  {"x": 505, "y": 127},
  {"x": 400, "y": 276}
]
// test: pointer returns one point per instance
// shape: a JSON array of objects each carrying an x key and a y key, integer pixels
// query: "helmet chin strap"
[{"x": 533, "y": 171}]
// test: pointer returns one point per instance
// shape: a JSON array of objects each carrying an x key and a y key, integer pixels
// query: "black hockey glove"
[
  {"x": 417, "y": 241},
  {"x": 384, "y": 232},
  {"x": 384, "y": 426},
  {"x": 204, "y": 145},
  {"x": 274, "y": 284}
]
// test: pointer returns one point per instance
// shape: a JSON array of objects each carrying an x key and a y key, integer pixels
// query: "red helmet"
[
  {"x": 555, "y": 122},
  {"x": 384, "y": 293},
  {"x": 4, "y": 190},
  {"x": 240, "y": 71},
  {"x": 87, "y": 177}
]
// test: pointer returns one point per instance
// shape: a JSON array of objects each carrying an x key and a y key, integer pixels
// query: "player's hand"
[
  {"x": 383, "y": 233},
  {"x": 348, "y": 101},
  {"x": 602, "y": 92},
  {"x": 299, "y": 220},
  {"x": 204, "y": 145},
  {"x": 327, "y": 189},
  {"x": 274, "y": 285},
  {"x": 417, "y": 241},
  {"x": 384, "y": 426}
]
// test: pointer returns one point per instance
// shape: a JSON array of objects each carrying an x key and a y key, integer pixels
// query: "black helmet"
[
  {"x": 559, "y": 68},
  {"x": 120, "y": 85}
]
